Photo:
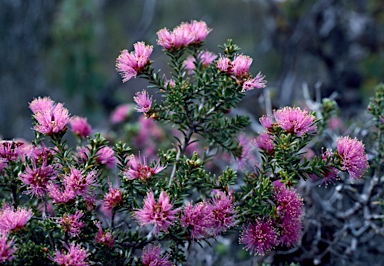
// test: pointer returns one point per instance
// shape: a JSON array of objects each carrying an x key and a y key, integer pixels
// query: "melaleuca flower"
[
  {"x": 104, "y": 238},
  {"x": 120, "y": 113},
  {"x": 80, "y": 126},
  {"x": 290, "y": 209},
  {"x": 265, "y": 142},
  {"x": 113, "y": 197},
  {"x": 106, "y": 156},
  {"x": 224, "y": 64},
  {"x": 41, "y": 154},
  {"x": 51, "y": 117},
  {"x": 352, "y": 156},
  {"x": 266, "y": 121},
  {"x": 259, "y": 237},
  {"x": 139, "y": 169},
  {"x": 205, "y": 57},
  {"x": 143, "y": 101},
  {"x": 37, "y": 177},
  {"x": 11, "y": 151},
  {"x": 199, "y": 218},
  {"x": 80, "y": 183},
  {"x": 61, "y": 196},
  {"x": 295, "y": 120},
  {"x": 131, "y": 64},
  {"x": 247, "y": 156},
  {"x": 159, "y": 213},
  {"x": 152, "y": 257},
  {"x": 75, "y": 256},
  {"x": 7, "y": 248},
  {"x": 331, "y": 172},
  {"x": 169, "y": 83},
  {"x": 71, "y": 223},
  {"x": 257, "y": 82},
  {"x": 240, "y": 65},
  {"x": 13, "y": 220},
  {"x": 223, "y": 210},
  {"x": 183, "y": 35}
]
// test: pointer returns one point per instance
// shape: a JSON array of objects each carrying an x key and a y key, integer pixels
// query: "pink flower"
[
  {"x": 143, "y": 101},
  {"x": 80, "y": 183},
  {"x": 113, "y": 197},
  {"x": 106, "y": 156},
  {"x": 59, "y": 196},
  {"x": 158, "y": 213},
  {"x": 199, "y": 218},
  {"x": 120, "y": 114},
  {"x": 165, "y": 38},
  {"x": 240, "y": 65},
  {"x": 266, "y": 121},
  {"x": 247, "y": 157},
  {"x": 51, "y": 117},
  {"x": 330, "y": 171},
  {"x": 224, "y": 213},
  {"x": 170, "y": 83},
  {"x": 224, "y": 64},
  {"x": 295, "y": 120},
  {"x": 259, "y": 237},
  {"x": 13, "y": 150},
  {"x": 80, "y": 126},
  {"x": 352, "y": 156},
  {"x": 152, "y": 257},
  {"x": 131, "y": 64},
  {"x": 13, "y": 220},
  {"x": 71, "y": 223},
  {"x": 138, "y": 169},
  {"x": 265, "y": 142},
  {"x": 75, "y": 256},
  {"x": 104, "y": 238},
  {"x": 36, "y": 178},
  {"x": 257, "y": 82},
  {"x": 6, "y": 248},
  {"x": 205, "y": 57},
  {"x": 199, "y": 30}
]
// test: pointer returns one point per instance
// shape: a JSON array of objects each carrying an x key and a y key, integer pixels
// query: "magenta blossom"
[
  {"x": 143, "y": 101},
  {"x": 139, "y": 169},
  {"x": 265, "y": 142},
  {"x": 352, "y": 156},
  {"x": 80, "y": 183},
  {"x": 152, "y": 257},
  {"x": 257, "y": 82},
  {"x": 224, "y": 64},
  {"x": 266, "y": 121},
  {"x": 223, "y": 210},
  {"x": 104, "y": 238},
  {"x": 51, "y": 117},
  {"x": 71, "y": 223},
  {"x": 75, "y": 256},
  {"x": 199, "y": 218},
  {"x": 113, "y": 197},
  {"x": 106, "y": 156},
  {"x": 240, "y": 65},
  {"x": 259, "y": 237},
  {"x": 295, "y": 120},
  {"x": 37, "y": 177},
  {"x": 120, "y": 113},
  {"x": 61, "y": 196},
  {"x": 80, "y": 126},
  {"x": 13, "y": 150},
  {"x": 13, "y": 220},
  {"x": 131, "y": 64},
  {"x": 159, "y": 213},
  {"x": 205, "y": 57},
  {"x": 7, "y": 248}
]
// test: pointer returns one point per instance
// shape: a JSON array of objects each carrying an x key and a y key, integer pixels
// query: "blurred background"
[{"x": 66, "y": 49}]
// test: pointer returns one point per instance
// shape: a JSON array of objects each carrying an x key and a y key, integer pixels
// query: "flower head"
[
  {"x": 240, "y": 65},
  {"x": 199, "y": 218},
  {"x": 205, "y": 57},
  {"x": 6, "y": 248},
  {"x": 143, "y": 101},
  {"x": 257, "y": 82},
  {"x": 265, "y": 142},
  {"x": 37, "y": 177},
  {"x": 80, "y": 126},
  {"x": 13, "y": 220},
  {"x": 120, "y": 113},
  {"x": 71, "y": 223},
  {"x": 152, "y": 257},
  {"x": 224, "y": 64},
  {"x": 104, "y": 238},
  {"x": 266, "y": 121},
  {"x": 51, "y": 117},
  {"x": 79, "y": 182},
  {"x": 223, "y": 210},
  {"x": 352, "y": 155},
  {"x": 75, "y": 256},
  {"x": 259, "y": 237},
  {"x": 159, "y": 213},
  {"x": 106, "y": 156},
  {"x": 12, "y": 150},
  {"x": 113, "y": 197},
  {"x": 61, "y": 196},
  {"x": 139, "y": 169},
  {"x": 295, "y": 120},
  {"x": 131, "y": 64}
]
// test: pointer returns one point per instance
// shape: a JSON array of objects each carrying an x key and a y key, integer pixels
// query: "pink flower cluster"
[
  {"x": 71, "y": 223},
  {"x": 292, "y": 120},
  {"x": 80, "y": 126},
  {"x": 183, "y": 35},
  {"x": 239, "y": 68},
  {"x": 137, "y": 168},
  {"x": 285, "y": 229},
  {"x": 13, "y": 220},
  {"x": 209, "y": 218},
  {"x": 205, "y": 57},
  {"x": 159, "y": 213},
  {"x": 352, "y": 155},
  {"x": 52, "y": 118},
  {"x": 152, "y": 257},
  {"x": 130, "y": 64},
  {"x": 104, "y": 238},
  {"x": 112, "y": 198},
  {"x": 143, "y": 101},
  {"x": 6, "y": 248},
  {"x": 75, "y": 255},
  {"x": 265, "y": 142}
]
